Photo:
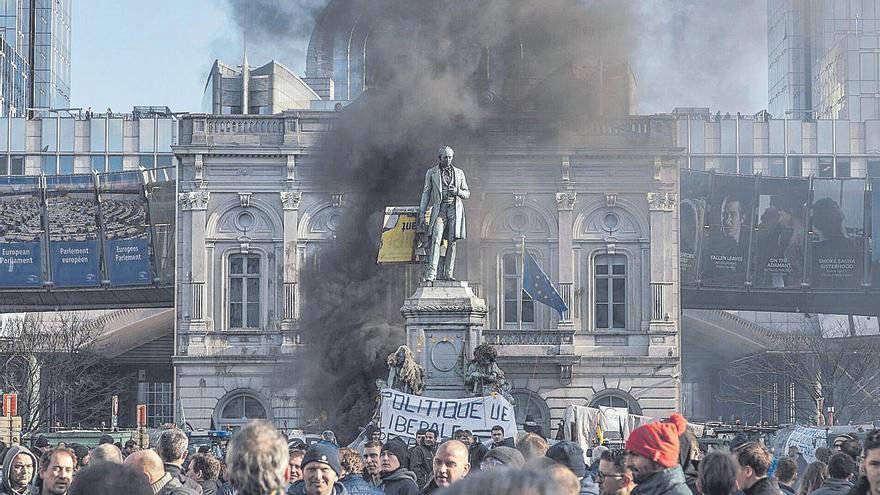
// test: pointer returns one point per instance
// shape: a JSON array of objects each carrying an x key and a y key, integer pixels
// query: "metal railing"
[
  {"x": 197, "y": 291},
  {"x": 661, "y": 302},
  {"x": 528, "y": 337}
]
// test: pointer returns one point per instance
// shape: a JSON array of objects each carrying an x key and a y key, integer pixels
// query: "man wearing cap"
[
  {"x": 450, "y": 465},
  {"x": 321, "y": 468},
  {"x": 571, "y": 455},
  {"x": 503, "y": 456},
  {"x": 396, "y": 479},
  {"x": 652, "y": 457},
  {"x": 530, "y": 426}
]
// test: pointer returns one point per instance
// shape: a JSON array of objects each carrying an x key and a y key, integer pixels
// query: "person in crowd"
[
  {"x": 717, "y": 474},
  {"x": 571, "y": 455},
  {"x": 109, "y": 478},
  {"x": 813, "y": 477},
  {"x": 396, "y": 478},
  {"x": 106, "y": 438},
  {"x": 420, "y": 440},
  {"x": 161, "y": 482},
  {"x": 328, "y": 438},
  {"x": 754, "y": 461},
  {"x": 129, "y": 448},
  {"x": 372, "y": 450},
  {"x": 82, "y": 454},
  {"x": 41, "y": 446},
  {"x": 508, "y": 481},
  {"x": 503, "y": 457},
  {"x": 19, "y": 466},
  {"x": 204, "y": 469},
  {"x": 172, "y": 448},
  {"x": 56, "y": 471},
  {"x": 869, "y": 481},
  {"x": 476, "y": 450},
  {"x": 530, "y": 426},
  {"x": 258, "y": 460},
  {"x": 795, "y": 453},
  {"x": 450, "y": 465},
  {"x": 421, "y": 458},
  {"x": 689, "y": 458},
  {"x": 613, "y": 476},
  {"x": 105, "y": 452},
  {"x": 841, "y": 470},
  {"x": 595, "y": 456},
  {"x": 295, "y": 463},
  {"x": 652, "y": 457},
  {"x": 498, "y": 440},
  {"x": 852, "y": 448},
  {"x": 350, "y": 474},
  {"x": 786, "y": 475},
  {"x": 822, "y": 454},
  {"x": 321, "y": 472},
  {"x": 532, "y": 446}
]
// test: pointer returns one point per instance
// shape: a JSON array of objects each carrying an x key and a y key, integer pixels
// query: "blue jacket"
[{"x": 355, "y": 484}]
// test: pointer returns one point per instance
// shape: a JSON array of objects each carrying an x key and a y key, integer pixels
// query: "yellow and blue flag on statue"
[{"x": 539, "y": 287}]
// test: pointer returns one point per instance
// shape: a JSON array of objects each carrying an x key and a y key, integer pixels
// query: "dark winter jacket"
[
  {"x": 786, "y": 490},
  {"x": 430, "y": 488},
  {"x": 476, "y": 453},
  {"x": 175, "y": 487},
  {"x": 670, "y": 481},
  {"x": 226, "y": 489},
  {"x": 421, "y": 462},
  {"x": 834, "y": 486},
  {"x": 299, "y": 488},
  {"x": 588, "y": 486},
  {"x": 764, "y": 486},
  {"x": 355, "y": 484},
  {"x": 175, "y": 471},
  {"x": 862, "y": 487},
  {"x": 210, "y": 487},
  {"x": 401, "y": 481},
  {"x": 11, "y": 454},
  {"x": 688, "y": 466}
]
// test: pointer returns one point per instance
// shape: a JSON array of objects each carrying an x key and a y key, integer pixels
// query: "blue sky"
[{"x": 158, "y": 52}]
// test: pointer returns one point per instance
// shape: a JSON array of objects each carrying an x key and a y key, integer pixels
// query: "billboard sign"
[
  {"x": 729, "y": 220},
  {"x": 126, "y": 229},
  {"x": 875, "y": 231},
  {"x": 780, "y": 234},
  {"x": 21, "y": 232},
  {"x": 71, "y": 207},
  {"x": 694, "y": 196},
  {"x": 837, "y": 242}
]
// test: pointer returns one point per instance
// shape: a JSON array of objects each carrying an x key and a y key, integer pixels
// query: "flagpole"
[{"x": 522, "y": 274}]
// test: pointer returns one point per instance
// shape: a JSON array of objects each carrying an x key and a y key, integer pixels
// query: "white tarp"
[{"x": 404, "y": 414}]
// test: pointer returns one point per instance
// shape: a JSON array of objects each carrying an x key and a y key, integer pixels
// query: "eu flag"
[{"x": 538, "y": 286}]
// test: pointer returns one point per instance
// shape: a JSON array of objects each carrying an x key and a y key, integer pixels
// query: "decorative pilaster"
[
  {"x": 565, "y": 201},
  {"x": 290, "y": 201},
  {"x": 194, "y": 204},
  {"x": 664, "y": 259}
]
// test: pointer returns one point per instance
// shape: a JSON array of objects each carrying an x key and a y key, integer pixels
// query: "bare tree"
[
  {"x": 806, "y": 372},
  {"x": 55, "y": 367}
]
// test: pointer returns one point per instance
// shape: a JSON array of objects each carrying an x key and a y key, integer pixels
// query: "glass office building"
[{"x": 823, "y": 59}]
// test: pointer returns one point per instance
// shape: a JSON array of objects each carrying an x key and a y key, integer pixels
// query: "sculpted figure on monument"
[
  {"x": 445, "y": 188},
  {"x": 484, "y": 377},
  {"x": 404, "y": 373}
]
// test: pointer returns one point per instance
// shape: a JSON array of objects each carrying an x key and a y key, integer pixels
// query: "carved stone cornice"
[
  {"x": 290, "y": 200},
  {"x": 662, "y": 201},
  {"x": 565, "y": 200}
]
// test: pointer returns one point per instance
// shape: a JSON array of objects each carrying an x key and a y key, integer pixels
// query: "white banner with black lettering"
[{"x": 404, "y": 414}]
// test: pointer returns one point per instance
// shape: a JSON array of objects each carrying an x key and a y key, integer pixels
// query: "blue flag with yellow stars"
[{"x": 539, "y": 287}]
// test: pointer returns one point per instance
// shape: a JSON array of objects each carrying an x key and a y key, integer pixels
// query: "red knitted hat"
[{"x": 658, "y": 441}]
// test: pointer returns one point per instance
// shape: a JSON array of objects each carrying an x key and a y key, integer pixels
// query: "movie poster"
[
  {"x": 780, "y": 235},
  {"x": 875, "y": 231},
  {"x": 21, "y": 232},
  {"x": 126, "y": 232},
  {"x": 694, "y": 191},
  {"x": 837, "y": 242},
  {"x": 71, "y": 206},
  {"x": 725, "y": 250}
]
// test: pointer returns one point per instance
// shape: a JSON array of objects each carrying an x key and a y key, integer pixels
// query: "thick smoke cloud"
[{"x": 427, "y": 87}]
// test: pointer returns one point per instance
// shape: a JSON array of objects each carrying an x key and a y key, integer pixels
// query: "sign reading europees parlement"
[
  {"x": 128, "y": 261},
  {"x": 404, "y": 414}
]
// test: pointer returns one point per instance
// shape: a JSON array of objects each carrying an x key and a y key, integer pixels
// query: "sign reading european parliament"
[{"x": 21, "y": 265}]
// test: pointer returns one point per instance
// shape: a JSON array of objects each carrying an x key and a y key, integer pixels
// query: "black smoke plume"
[{"x": 432, "y": 80}]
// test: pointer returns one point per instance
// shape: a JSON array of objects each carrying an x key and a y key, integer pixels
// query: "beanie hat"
[
  {"x": 508, "y": 456},
  {"x": 399, "y": 449},
  {"x": 658, "y": 441},
  {"x": 41, "y": 441},
  {"x": 570, "y": 455},
  {"x": 324, "y": 454},
  {"x": 105, "y": 438}
]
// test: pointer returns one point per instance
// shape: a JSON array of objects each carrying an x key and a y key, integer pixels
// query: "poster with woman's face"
[
  {"x": 780, "y": 234},
  {"x": 726, "y": 243},
  {"x": 694, "y": 191},
  {"x": 837, "y": 241}
]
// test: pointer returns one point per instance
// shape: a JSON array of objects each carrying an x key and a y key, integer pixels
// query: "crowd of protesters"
[{"x": 660, "y": 458}]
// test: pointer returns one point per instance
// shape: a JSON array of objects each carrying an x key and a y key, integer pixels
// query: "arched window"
[
  {"x": 530, "y": 404},
  {"x": 610, "y": 290},
  {"x": 240, "y": 408},
  {"x": 616, "y": 398},
  {"x": 244, "y": 291}
]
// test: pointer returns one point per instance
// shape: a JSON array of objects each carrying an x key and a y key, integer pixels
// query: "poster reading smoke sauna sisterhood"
[
  {"x": 729, "y": 217},
  {"x": 837, "y": 243},
  {"x": 694, "y": 191}
]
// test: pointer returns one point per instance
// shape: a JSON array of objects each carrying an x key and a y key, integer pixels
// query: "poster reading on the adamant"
[{"x": 780, "y": 235}]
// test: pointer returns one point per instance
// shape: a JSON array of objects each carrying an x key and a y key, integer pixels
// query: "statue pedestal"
[{"x": 444, "y": 321}]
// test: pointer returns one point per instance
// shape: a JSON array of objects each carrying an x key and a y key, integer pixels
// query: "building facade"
[
  {"x": 822, "y": 59},
  {"x": 269, "y": 89}
]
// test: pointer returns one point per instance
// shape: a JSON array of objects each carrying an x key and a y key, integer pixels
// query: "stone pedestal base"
[{"x": 444, "y": 321}]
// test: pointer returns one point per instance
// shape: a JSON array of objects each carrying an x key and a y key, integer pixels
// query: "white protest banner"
[
  {"x": 807, "y": 440},
  {"x": 404, "y": 414}
]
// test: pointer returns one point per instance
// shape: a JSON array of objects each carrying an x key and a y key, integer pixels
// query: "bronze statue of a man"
[{"x": 445, "y": 188}]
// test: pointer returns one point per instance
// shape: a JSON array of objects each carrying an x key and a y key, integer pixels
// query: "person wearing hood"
[
  {"x": 396, "y": 479},
  {"x": 19, "y": 466},
  {"x": 321, "y": 469},
  {"x": 689, "y": 459},
  {"x": 530, "y": 426},
  {"x": 653, "y": 455},
  {"x": 571, "y": 455}
]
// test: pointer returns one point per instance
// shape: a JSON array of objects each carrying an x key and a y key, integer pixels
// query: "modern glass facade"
[
  {"x": 751, "y": 144},
  {"x": 103, "y": 143},
  {"x": 271, "y": 89},
  {"x": 823, "y": 59}
]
